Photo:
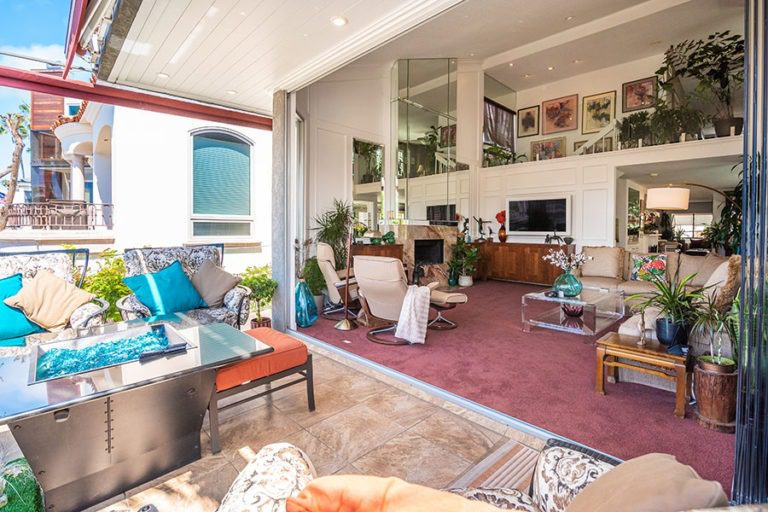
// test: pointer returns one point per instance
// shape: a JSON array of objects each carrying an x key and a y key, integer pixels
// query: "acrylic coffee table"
[{"x": 591, "y": 312}]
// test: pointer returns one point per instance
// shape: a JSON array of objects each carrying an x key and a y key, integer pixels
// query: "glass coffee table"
[{"x": 589, "y": 313}]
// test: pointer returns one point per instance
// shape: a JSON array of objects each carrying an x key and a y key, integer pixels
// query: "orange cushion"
[{"x": 289, "y": 352}]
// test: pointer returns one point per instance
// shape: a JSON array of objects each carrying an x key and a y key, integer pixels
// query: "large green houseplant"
[
  {"x": 259, "y": 281},
  {"x": 676, "y": 303},
  {"x": 107, "y": 281},
  {"x": 717, "y": 66},
  {"x": 463, "y": 261},
  {"x": 334, "y": 226},
  {"x": 313, "y": 276}
]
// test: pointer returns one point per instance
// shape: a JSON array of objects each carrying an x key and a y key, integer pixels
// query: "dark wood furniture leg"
[
  {"x": 681, "y": 381},
  {"x": 600, "y": 370}
]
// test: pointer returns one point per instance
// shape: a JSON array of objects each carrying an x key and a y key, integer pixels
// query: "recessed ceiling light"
[
  {"x": 511, "y": 64},
  {"x": 163, "y": 75},
  {"x": 654, "y": 174},
  {"x": 527, "y": 75},
  {"x": 243, "y": 13},
  {"x": 568, "y": 18},
  {"x": 577, "y": 61},
  {"x": 339, "y": 21},
  {"x": 232, "y": 92},
  {"x": 306, "y": 35},
  {"x": 471, "y": 54},
  {"x": 550, "y": 68}
]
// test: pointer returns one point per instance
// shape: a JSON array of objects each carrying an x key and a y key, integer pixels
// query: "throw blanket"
[{"x": 414, "y": 315}]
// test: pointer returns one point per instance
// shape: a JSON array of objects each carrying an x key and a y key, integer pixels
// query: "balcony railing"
[{"x": 60, "y": 215}]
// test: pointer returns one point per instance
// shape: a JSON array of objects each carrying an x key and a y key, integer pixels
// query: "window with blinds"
[{"x": 221, "y": 185}]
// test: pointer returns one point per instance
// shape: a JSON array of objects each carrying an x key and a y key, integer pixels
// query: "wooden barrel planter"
[
  {"x": 264, "y": 322},
  {"x": 715, "y": 398}
]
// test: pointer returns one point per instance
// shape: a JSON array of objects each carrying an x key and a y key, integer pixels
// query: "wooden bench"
[{"x": 289, "y": 358}]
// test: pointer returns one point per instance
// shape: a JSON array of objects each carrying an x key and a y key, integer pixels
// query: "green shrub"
[
  {"x": 107, "y": 282},
  {"x": 313, "y": 276},
  {"x": 259, "y": 281}
]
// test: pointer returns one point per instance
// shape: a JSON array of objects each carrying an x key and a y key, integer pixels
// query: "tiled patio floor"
[{"x": 362, "y": 425}]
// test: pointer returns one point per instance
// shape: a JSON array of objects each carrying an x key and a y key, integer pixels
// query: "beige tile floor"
[{"x": 365, "y": 423}]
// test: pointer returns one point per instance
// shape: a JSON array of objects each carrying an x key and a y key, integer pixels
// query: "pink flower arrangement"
[{"x": 565, "y": 261}]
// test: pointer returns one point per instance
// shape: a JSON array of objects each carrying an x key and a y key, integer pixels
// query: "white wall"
[
  {"x": 587, "y": 84},
  {"x": 151, "y": 183},
  {"x": 338, "y": 109}
]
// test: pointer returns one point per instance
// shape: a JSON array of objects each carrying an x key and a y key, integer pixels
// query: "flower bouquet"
[
  {"x": 566, "y": 262},
  {"x": 501, "y": 218}
]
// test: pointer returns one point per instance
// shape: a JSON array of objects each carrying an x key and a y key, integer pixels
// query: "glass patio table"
[
  {"x": 587, "y": 314},
  {"x": 91, "y": 435}
]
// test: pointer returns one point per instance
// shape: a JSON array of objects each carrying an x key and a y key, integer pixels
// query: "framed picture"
[
  {"x": 548, "y": 149},
  {"x": 601, "y": 146},
  {"x": 528, "y": 121},
  {"x": 598, "y": 111},
  {"x": 560, "y": 114},
  {"x": 578, "y": 144},
  {"x": 639, "y": 94},
  {"x": 448, "y": 135}
]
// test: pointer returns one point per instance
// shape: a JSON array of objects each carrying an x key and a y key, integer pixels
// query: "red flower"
[{"x": 501, "y": 217}]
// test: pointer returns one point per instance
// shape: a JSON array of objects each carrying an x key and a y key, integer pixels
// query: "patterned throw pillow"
[{"x": 648, "y": 267}]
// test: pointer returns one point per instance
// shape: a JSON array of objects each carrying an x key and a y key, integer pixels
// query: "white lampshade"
[{"x": 667, "y": 198}]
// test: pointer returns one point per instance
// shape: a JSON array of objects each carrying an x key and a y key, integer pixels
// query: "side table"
[{"x": 651, "y": 358}]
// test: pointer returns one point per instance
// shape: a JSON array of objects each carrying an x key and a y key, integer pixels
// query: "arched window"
[{"x": 221, "y": 185}]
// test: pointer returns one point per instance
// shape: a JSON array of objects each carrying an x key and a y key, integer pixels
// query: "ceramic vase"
[
  {"x": 502, "y": 234},
  {"x": 568, "y": 284}
]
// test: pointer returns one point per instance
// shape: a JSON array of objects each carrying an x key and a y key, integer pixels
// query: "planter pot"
[
  {"x": 465, "y": 281},
  {"x": 264, "y": 322},
  {"x": 319, "y": 301},
  {"x": 715, "y": 398},
  {"x": 671, "y": 333},
  {"x": 723, "y": 126},
  {"x": 502, "y": 234}
]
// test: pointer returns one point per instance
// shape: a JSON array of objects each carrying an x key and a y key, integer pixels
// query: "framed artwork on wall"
[
  {"x": 560, "y": 114},
  {"x": 639, "y": 94},
  {"x": 578, "y": 144},
  {"x": 598, "y": 111},
  {"x": 548, "y": 149},
  {"x": 601, "y": 146},
  {"x": 528, "y": 121}
]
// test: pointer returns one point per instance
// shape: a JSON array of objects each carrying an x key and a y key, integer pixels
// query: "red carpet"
[{"x": 546, "y": 378}]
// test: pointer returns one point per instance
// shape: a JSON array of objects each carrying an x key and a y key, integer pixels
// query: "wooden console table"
[
  {"x": 651, "y": 358},
  {"x": 389, "y": 251},
  {"x": 517, "y": 262}
]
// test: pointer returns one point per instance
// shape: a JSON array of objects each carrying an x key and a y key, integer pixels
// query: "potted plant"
[
  {"x": 717, "y": 64},
  {"x": 715, "y": 376},
  {"x": 333, "y": 229},
  {"x": 259, "y": 281},
  {"x": 566, "y": 283},
  {"x": 635, "y": 129},
  {"x": 107, "y": 282},
  {"x": 465, "y": 256},
  {"x": 313, "y": 276},
  {"x": 676, "y": 305}
]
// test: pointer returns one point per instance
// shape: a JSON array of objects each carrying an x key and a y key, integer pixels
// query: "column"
[
  {"x": 77, "y": 178},
  {"x": 282, "y": 245}
]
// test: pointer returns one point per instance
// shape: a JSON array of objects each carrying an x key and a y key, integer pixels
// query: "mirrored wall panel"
[
  {"x": 424, "y": 126},
  {"x": 498, "y": 124},
  {"x": 368, "y": 183}
]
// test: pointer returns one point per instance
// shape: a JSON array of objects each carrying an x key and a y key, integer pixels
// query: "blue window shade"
[{"x": 221, "y": 175}]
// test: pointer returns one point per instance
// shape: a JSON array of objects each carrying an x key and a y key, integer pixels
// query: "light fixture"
[
  {"x": 550, "y": 68},
  {"x": 471, "y": 54},
  {"x": 526, "y": 75},
  {"x": 163, "y": 75},
  {"x": 511, "y": 64},
  {"x": 654, "y": 174},
  {"x": 577, "y": 61},
  {"x": 667, "y": 198},
  {"x": 231, "y": 92},
  {"x": 339, "y": 21},
  {"x": 568, "y": 18}
]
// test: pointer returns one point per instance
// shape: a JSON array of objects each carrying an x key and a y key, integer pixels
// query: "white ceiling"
[
  {"x": 254, "y": 47},
  {"x": 712, "y": 172}
]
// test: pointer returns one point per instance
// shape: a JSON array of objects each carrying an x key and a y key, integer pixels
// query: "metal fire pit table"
[{"x": 91, "y": 435}]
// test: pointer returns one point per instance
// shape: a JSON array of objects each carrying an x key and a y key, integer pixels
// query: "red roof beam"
[
  {"x": 38, "y": 82},
  {"x": 76, "y": 19}
]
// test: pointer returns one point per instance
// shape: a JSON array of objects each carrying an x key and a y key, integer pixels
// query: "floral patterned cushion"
[
  {"x": 59, "y": 263},
  {"x": 505, "y": 499},
  {"x": 648, "y": 267},
  {"x": 561, "y": 473},
  {"x": 144, "y": 261}
]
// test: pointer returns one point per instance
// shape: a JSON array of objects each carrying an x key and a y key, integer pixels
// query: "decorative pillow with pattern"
[{"x": 648, "y": 267}]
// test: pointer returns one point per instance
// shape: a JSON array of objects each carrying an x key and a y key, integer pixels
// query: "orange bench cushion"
[{"x": 289, "y": 353}]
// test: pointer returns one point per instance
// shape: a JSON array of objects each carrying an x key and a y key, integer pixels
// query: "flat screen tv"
[{"x": 539, "y": 216}]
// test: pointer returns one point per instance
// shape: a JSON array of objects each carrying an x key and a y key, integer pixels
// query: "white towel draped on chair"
[{"x": 414, "y": 315}]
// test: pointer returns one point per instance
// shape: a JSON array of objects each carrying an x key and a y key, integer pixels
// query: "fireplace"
[{"x": 428, "y": 252}]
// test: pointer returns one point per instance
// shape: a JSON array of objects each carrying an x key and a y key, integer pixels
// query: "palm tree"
[{"x": 17, "y": 125}]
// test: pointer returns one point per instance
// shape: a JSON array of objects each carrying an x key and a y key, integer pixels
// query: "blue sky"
[{"x": 29, "y": 27}]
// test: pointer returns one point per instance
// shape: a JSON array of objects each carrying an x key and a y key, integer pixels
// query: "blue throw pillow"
[
  {"x": 13, "y": 323},
  {"x": 167, "y": 291}
]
